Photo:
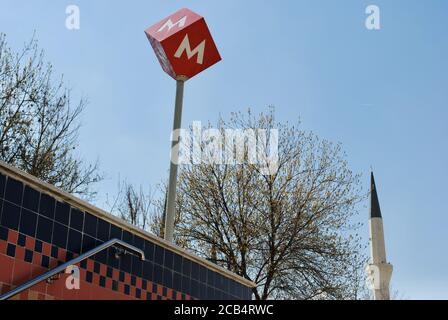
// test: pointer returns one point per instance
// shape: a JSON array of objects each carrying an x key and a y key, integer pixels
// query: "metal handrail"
[{"x": 73, "y": 261}]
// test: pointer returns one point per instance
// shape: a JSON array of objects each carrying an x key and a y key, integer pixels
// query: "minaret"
[{"x": 379, "y": 271}]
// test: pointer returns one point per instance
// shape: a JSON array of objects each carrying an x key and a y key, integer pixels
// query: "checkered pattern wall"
[{"x": 38, "y": 232}]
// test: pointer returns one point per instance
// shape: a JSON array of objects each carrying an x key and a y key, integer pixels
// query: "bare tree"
[
  {"x": 38, "y": 124},
  {"x": 134, "y": 205},
  {"x": 290, "y": 232}
]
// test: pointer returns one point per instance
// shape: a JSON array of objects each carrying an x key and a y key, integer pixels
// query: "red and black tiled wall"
[{"x": 38, "y": 232}]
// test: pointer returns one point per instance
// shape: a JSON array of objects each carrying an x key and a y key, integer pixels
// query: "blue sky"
[{"x": 382, "y": 94}]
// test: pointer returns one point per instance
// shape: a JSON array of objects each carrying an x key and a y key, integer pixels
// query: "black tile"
[
  {"x": 115, "y": 232},
  {"x": 114, "y": 285},
  {"x": 54, "y": 252},
  {"x": 89, "y": 276},
  {"x": 177, "y": 281},
  {"x": 102, "y": 281},
  {"x": 121, "y": 276},
  {"x": 45, "y": 262},
  {"x": 158, "y": 254},
  {"x": 21, "y": 240},
  {"x": 96, "y": 267},
  {"x": 195, "y": 271},
  {"x": 154, "y": 288},
  {"x": 167, "y": 278},
  {"x": 126, "y": 262},
  {"x": 28, "y": 223},
  {"x": 103, "y": 231},
  {"x": 47, "y": 206},
  {"x": 62, "y": 214},
  {"x": 14, "y": 191},
  {"x": 149, "y": 251},
  {"x": 164, "y": 292},
  {"x": 177, "y": 263},
  {"x": 186, "y": 268},
  {"x": 2, "y": 185},
  {"x": 11, "y": 250},
  {"x": 139, "y": 242},
  {"x": 128, "y": 237},
  {"x": 38, "y": 246},
  {"x": 31, "y": 199},
  {"x": 88, "y": 243},
  {"x": 76, "y": 219},
  {"x": 144, "y": 284},
  {"x": 127, "y": 289},
  {"x": 90, "y": 224},
  {"x": 83, "y": 264},
  {"x": 74, "y": 241},
  {"x": 109, "y": 272},
  {"x": 10, "y": 216},
  {"x": 3, "y": 233},
  {"x": 138, "y": 293},
  {"x": 44, "y": 229},
  {"x": 137, "y": 266},
  {"x": 194, "y": 288},
  {"x": 148, "y": 296},
  {"x": 102, "y": 255},
  {"x": 168, "y": 261},
  {"x": 133, "y": 281},
  {"x": 68, "y": 256},
  {"x": 186, "y": 285},
  {"x": 28, "y": 255},
  {"x": 112, "y": 260},
  {"x": 158, "y": 274},
  {"x": 60, "y": 235},
  {"x": 147, "y": 272},
  {"x": 202, "y": 274}
]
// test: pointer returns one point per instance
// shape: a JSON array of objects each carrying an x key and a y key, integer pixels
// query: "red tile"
[
  {"x": 53, "y": 263},
  {"x": 55, "y": 288},
  {"x": 127, "y": 278},
  {"x": 178, "y": 296},
  {"x": 96, "y": 279},
  {"x": 22, "y": 272},
  {"x": 159, "y": 290},
  {"x": 46, "y": 249},
  {"x": 24, "y": 295},
  {"x": 3, "y": 246},
  {"x": 169, "y": 293},
  {"x": 62, "y": 255},
  {"x": 6, "y": 270},
  {"x": 13, "y": 236},
  {"x": 5, "y": 288},
  {"x": 90, "y": 264},
  {"x": 20, "y": 253},
  {"x": 30, "y": 243},
  {"x": 153, "y": 296},
  {"x": 115, "y": 274},
  {"x": 138, "y": 283},
  {"x": 37, "y": 257},
  {"x": 102, "y": 269},
  {"x": 109, "y": 283}
]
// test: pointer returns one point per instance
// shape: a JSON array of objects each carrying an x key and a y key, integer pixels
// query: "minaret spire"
[
  {"x": 379, "y": 271},
  {"x": 375, "y": 211}
]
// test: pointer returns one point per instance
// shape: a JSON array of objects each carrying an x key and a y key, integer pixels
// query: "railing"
[{"x": 62, "y": 267}]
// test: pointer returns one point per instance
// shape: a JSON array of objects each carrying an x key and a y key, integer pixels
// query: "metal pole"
[{"x": 171, "y": 202}]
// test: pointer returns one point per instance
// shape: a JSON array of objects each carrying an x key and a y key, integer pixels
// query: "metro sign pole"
[{"x": 184, "y": 47}]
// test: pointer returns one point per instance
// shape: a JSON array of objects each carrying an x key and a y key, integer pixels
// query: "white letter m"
[
  {"x": 169, "y": 24},
  {"x": 185, "y": 46}
]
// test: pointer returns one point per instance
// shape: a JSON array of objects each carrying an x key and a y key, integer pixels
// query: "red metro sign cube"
[{"x": 183, "y": 44}]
